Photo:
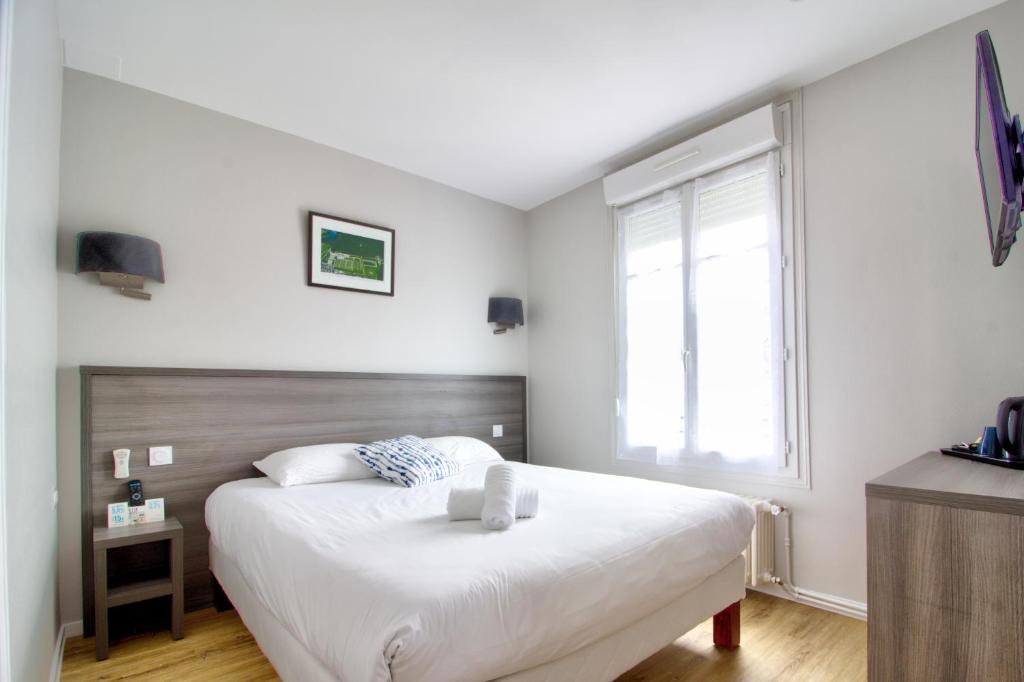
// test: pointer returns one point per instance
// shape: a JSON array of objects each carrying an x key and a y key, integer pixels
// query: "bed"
[
  {"x": 362, "y": 580},
  {"x": 366, "y": 580}
]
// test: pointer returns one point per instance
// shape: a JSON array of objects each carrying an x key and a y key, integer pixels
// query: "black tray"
[{"x": 998, "y": 460}]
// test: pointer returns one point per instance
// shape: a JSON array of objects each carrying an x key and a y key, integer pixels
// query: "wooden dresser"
[{"x": 946, "y": 571}]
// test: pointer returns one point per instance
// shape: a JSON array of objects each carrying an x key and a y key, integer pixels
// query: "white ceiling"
[{"x": 518, "y": 101}]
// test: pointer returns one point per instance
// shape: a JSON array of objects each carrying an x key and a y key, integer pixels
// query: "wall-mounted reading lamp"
[
  {"x": 122, "y": 260},
  {"x": 505, "y": 313}
]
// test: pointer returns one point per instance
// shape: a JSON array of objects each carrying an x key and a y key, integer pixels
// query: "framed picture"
[{"x": 347, "y": 254}]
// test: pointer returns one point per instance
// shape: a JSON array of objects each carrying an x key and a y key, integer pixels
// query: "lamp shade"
[
  {"x": 505, "y": 311},
  {"x": 121, "y": 253}
]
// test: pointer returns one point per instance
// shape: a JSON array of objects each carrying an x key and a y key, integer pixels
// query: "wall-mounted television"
[{"x": 999, "y": 145}]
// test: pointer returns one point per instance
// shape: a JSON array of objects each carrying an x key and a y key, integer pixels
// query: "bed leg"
[
  {"x": 220, "y": 599},
  {"x": 727, "y": 626}
]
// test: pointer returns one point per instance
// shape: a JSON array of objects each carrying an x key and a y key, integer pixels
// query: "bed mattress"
[{"x": 375, "y": 582}]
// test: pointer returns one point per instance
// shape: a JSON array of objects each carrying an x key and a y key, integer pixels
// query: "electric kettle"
[{"x": 1010, "y": 427}]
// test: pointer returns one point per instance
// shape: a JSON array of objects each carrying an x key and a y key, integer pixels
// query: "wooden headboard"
[{"x": 220, "y": 421}]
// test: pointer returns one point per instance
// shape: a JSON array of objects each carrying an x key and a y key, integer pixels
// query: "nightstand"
[{"x": 168, "y": 530}]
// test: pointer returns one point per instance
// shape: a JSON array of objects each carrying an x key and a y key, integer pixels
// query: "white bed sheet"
[
  {"x": 602, "y": 661},
  {"x": 376, "y": 583}
]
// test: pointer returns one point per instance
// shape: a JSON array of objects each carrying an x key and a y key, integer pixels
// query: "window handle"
[{"x": 685, "y": 354}]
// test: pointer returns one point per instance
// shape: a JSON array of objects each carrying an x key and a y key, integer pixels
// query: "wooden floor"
[{"x": 781, "y": 640}]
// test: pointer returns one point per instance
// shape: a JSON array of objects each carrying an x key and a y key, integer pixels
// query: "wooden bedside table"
[{"x": 168, "y": 530}]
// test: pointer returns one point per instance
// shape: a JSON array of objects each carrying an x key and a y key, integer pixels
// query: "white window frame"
[{"x": 797, "y": 470}]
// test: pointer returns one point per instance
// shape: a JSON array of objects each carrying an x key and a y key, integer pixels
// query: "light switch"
[
  {"x": 497, "y": 431},
  {"x": 160, "y": 455}
]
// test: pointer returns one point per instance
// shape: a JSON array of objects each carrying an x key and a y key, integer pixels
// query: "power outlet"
[
  {"x": 161, "y": 455},
  {"x": 497, "y": 431}
]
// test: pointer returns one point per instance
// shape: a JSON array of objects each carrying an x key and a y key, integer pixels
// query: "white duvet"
[{"x": 377, "y": 584}]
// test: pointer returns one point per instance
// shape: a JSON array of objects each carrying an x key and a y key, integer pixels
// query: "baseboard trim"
[
  {"x": 74, "y": 629},
  {"x": 58, "y": 654},
  {"x": 819, "y": 600},
  {"x": 830, "y": 602},
  {"x": 66, "y": 631}
]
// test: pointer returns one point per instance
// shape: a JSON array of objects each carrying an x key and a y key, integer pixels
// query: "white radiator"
[{"x": 761, "y": 552}]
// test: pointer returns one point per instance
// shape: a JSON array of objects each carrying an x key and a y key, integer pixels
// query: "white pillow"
[
  {"x": 465, "y": 450},
  {"x": 314, "y": 464}
]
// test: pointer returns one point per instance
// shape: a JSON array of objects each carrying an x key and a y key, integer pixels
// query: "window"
[{"x": 707, "y": 325}]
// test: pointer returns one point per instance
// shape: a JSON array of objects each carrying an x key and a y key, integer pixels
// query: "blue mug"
[{"x": 989, "y": 442}]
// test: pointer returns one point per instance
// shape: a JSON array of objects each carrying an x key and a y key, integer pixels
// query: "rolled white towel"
[
  {"x": 527, "y": 502},
  {"x": 465, "y": 504},
  {"x": 499, "y": 510}
]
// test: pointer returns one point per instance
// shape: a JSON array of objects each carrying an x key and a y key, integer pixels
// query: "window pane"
[
  {"x": 737, "y": 352},
  {"x": 655, "y": 390}
]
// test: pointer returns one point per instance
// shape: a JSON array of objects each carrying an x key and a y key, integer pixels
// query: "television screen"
[{"x": 998, "y": 142}]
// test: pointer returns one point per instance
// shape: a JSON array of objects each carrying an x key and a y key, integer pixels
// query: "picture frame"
[{"x": 350, "y": 255}]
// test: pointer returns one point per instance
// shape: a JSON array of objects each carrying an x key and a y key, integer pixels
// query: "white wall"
[
  {"x": 913, "y": 337},
  {"x": 227, "y": 200},
  {"x": 30, "y": 323}
]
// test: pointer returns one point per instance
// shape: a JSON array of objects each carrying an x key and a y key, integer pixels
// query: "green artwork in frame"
[{"x": 350, "y": 255}]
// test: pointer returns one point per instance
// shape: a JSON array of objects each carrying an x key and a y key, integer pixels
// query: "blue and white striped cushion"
[{"x": 408, "y": 461}]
